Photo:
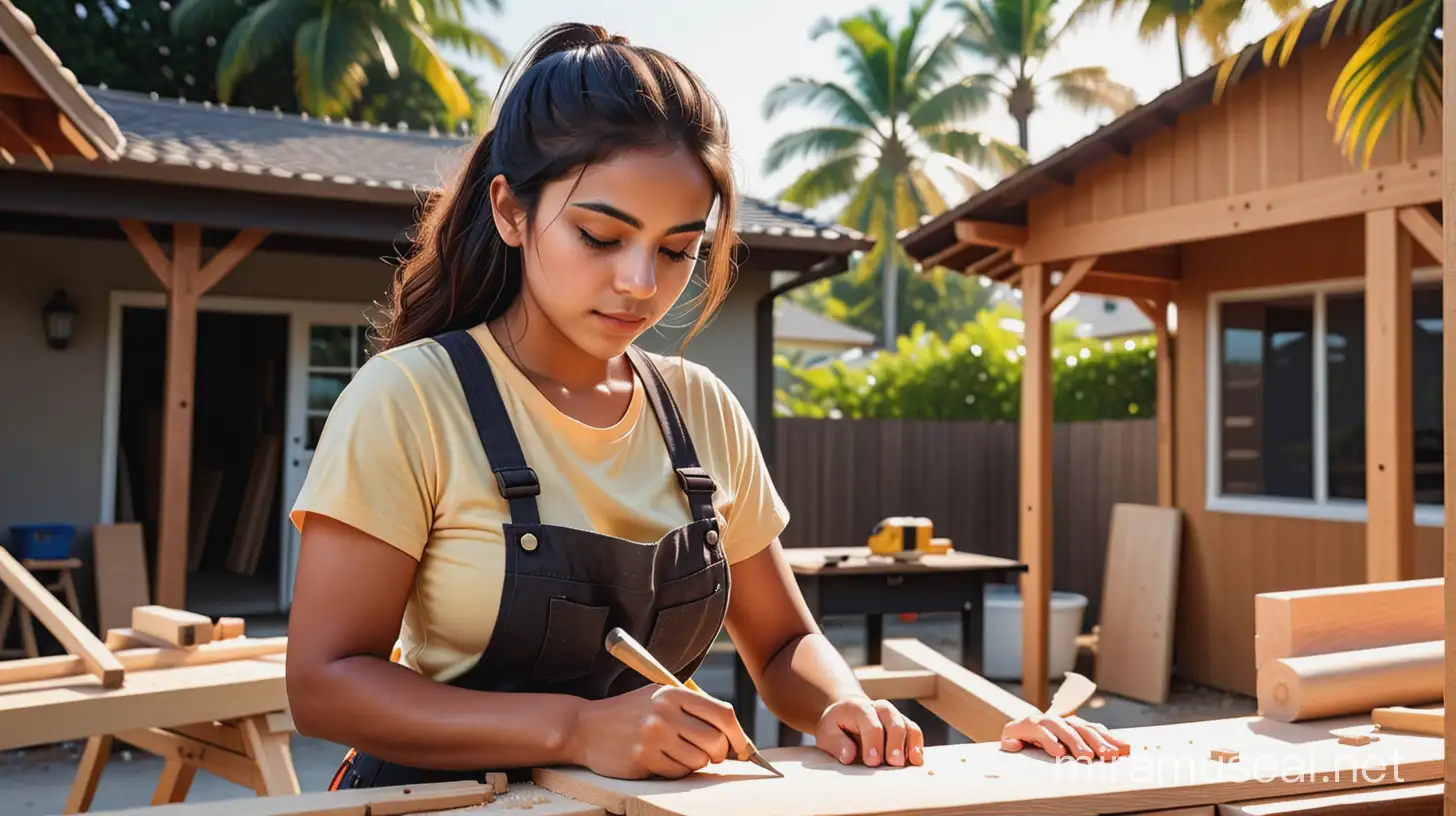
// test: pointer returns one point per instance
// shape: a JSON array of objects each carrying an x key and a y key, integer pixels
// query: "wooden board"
[
  {"x": 1139, "y": 602},
  {"x": 76, "y": 707},
  {"x": 56, "y": 618},
  {"x": 1302, "y": 622},
  {"x": 810, "y": 560},
  {"x": 121, "y": 572},
  {"x": 362, "y": 802},
  {"x": 1169, "y": 768},
  {"x": 1393, "y": 800}
]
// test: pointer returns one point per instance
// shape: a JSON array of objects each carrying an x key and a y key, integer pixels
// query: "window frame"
[{"x": 1321, "y": 507}]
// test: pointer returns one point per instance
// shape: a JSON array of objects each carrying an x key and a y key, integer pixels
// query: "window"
[
  {"x": 335, "y": 353},
  {"x": 1287, "y": 378}
]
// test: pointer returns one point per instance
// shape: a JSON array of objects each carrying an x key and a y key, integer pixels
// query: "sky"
[{"x": 742, "y": 48}]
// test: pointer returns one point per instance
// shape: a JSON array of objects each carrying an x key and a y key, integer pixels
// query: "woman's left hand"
[
  {"x": 1063, "y": 737},
  {"x": 873, "y": 731}
]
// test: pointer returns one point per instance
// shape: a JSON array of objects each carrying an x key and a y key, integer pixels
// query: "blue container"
[{"x": 41, "y": 542}]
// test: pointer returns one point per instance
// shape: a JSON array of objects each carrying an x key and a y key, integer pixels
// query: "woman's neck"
[{"x": 546, "y": 356}]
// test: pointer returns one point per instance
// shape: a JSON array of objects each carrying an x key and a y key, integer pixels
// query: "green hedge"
[{"x": 974, "y": 374}]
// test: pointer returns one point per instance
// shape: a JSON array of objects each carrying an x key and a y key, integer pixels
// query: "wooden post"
[
  {"x": 1036, "y": 485},
  {"x": 186, "y": 280},
  {"x": 1389, "y": 454},
  {"x": 1157, "y": 312},
  {"x": 1448, "y": 377}
]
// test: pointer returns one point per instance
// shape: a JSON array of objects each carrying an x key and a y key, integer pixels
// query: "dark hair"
[{"x": 576, "y": 96}]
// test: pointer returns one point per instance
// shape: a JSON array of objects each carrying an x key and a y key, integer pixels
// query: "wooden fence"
[{"x": 838, "y": 477}]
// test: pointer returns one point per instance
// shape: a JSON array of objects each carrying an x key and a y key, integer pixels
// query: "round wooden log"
[{"x": 1340, "y": 683}]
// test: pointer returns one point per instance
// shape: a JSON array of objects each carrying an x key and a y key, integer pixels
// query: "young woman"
[{"x": 510, "y": 477}]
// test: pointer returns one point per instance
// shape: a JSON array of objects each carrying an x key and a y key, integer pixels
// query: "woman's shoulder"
[{"x": 707, "y": 403}]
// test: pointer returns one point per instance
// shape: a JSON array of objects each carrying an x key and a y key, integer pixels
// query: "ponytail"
[{"x": 575, "y": 97}]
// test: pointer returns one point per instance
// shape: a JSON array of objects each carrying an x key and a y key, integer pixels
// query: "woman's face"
[{"x": 611, "y": 253}]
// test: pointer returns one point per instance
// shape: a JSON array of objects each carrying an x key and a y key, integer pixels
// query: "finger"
[
  {"x": 1011, "y": 744},
  {"x": 718, "y": 714},
  {"x": 1037, "y": 734},
  {"x": 1122, "y": 747},
  {"x": 894, "y": 724},
  {"x": 834, "y": 741},
  {"x": 702, "y": 734},
  {"x": 914, "y": 742},
  {"x": 685, "y": 754},
  {"x": 864, "y": 722},
  {"x": 1094, "y": 738},
  {"x": 1070, "y": 738}
]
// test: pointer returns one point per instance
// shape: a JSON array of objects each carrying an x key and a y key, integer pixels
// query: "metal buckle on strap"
[
  {"x": 696, "y": 480},
  {"x": 516, "y": 483}
]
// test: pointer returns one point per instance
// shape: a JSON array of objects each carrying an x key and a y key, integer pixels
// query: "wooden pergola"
[{"x": 1137, "y": 209}]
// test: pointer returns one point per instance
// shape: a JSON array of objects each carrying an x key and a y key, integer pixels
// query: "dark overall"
[{"x": 566, "y": 588}]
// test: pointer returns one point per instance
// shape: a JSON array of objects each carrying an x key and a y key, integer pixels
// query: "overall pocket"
[{"x": 574, "y": 635}]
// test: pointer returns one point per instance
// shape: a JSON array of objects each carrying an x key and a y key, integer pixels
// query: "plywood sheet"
[
  {"x": 1139, "y": 602},
  {"x": 1170, "y": 767},
  {"x": 121, "y": 572},
  {"x": 76, "y": 707}
]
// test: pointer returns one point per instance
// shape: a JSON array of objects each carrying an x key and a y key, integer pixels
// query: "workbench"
[{"x": 848, "y": 581}]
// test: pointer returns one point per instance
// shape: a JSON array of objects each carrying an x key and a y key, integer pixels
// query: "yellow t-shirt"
[{"x": 400, "y": 459}]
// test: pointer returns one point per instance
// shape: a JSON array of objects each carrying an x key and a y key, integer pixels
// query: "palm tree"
[
  {"x": 1396, "y": 70},
  {"x": 1017, "y": 36},
  {"x": 1210, "y": 20},
  {"x": 335, "y": 41},
  {"x": 898, "y": 116}
]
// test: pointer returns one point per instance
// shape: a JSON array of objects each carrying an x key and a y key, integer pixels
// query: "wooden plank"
[
  {"x": 78, "y": 707},
  {"x": 1428, "y": 721},
  {"x": 59, "y": 621},
  {"x": 966, "y": 701},
  {"x": 176, "y": 627},
  {"x": 1169, "y": 768},
  {"x": 1390, "y": 800},
  {"x": 402, "y": 799},
  {"x": 120, "y": 559},
  {"x": 881, "y": 683},
  {"x": 143, "y": 659},
  {"x": 1165, "y": 408},
  {"x": 228, "y": 258},
  {"x": 1410, "y": 184},
  {"x": 16, "y": 81},
  {"x": 1068, "y": 284},
  {"x": 990, "y": 233},
  {"x": 179, "y": 385},
  {"x": 1389, "y": 445},
  {"x": 1036, "y": 486},
  {"x": 1139, "y": 602},
  {"x": 1300, "y": 622},
  {"x": 146, "y": 245},
  {"x": 234, "y": 766},
  {"x": 1425, "y": 229},
  {"x": 1337, "y": 683}
]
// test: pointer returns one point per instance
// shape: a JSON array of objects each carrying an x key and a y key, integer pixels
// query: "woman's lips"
[{"x": 620, "y": 322}]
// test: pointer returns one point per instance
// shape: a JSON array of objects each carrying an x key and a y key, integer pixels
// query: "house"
[
  {"x": 811, "y": 338},
  {"x": 222, "y": 264},
  {"x": 1299, "y": 405}
]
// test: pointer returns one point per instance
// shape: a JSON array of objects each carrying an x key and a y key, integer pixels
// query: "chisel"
[{"x": 625, "y": 648}]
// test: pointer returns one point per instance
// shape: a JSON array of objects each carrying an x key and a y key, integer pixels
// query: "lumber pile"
[{"x": 1334, "y": 651}]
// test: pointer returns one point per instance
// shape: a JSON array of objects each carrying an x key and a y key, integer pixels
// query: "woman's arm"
[
  {"x": 348, "y": 601},
  {"x": 799, "y": 673}
]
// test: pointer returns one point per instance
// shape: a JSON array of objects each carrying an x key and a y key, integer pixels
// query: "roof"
[
  {"x": 218, "y": 145},
  {"x": 1006, "y": 201},
  {"x": 794, "y": 323},
  {"x": 18, "y": 36}
]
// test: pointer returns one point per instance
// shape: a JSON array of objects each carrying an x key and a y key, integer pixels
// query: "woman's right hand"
[{"x": 655, "y": 731}]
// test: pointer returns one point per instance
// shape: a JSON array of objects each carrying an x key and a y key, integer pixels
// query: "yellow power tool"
[{"x": 906, "y": 538}]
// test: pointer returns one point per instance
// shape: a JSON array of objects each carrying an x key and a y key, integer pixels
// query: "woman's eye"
[
  {"x": 675, "y": 256},
  {"x": 592, "y": 240}
]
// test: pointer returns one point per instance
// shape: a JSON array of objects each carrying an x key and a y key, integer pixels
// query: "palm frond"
[
  {"x": 469, "y": 41},
  {"x": 814, "y": 143},
  {"x": 931, "y": 67},
  {"x": 257, "y": 37},
  {"x": 1090, "y": 90},
  {"x": 195, "y": 19},
  {"x": 841, "y": 104},
  {"x": 329, "y": 53},
  {"x": 981, "y": 34},
  {"x": 866, "y": 54},
  {"x": 413, "y": 45},
  {"x": 1385, "y": 75},
  {"x": 953, "y": 103},
  {"x": 859, "y": 212},
  {"x": 836, "y": 177},
  {"x": 977, "y": 150}
]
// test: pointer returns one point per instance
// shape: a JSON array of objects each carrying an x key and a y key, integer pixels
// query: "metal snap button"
[
  {"x": 712, "y": 537},
  {"x": 528, "y": 542}
]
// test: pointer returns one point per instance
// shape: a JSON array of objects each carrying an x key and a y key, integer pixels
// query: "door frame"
[{"x": 298, "y": 312}]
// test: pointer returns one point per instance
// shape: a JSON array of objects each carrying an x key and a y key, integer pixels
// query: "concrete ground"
[{"x": 37, "y": 780}]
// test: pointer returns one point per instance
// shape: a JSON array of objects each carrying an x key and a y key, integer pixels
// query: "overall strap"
[
  {"x": 695, "y": 481},
  {"x": 517, "y": 481}
]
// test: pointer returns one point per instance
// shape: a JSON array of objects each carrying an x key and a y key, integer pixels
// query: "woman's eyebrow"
[{"x": 607, "y": 209}]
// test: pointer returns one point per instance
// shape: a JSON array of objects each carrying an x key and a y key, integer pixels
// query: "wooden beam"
[
  {"x": 59, "y": 621},
  {"x": 1448, "y": 378},
  {"x": 1165, "y": 407},
  {"x": 990, "y": 233},
  {"x": 145, "y": 659},
  {"x": 67, "y": 130},
  {"x": 186, "y": 280},
  {"x": 1068, "y": 284},
  {"x": 17, "y": 82},
  {"x": 1036, "y": 486},
  {"x": 1403, "y": 185},
  {"x": 11, "y": 121},
  {"x": 1389, "y": 442},
  {"x": 1096, "y": 283},
  {"x": 1155, "y": 264},
  {"x": 1425, "y": 229},
  {"x": 966, "y": 701}
]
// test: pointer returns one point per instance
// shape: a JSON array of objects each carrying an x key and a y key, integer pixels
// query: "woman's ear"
[{"x": 510, "y": 219}]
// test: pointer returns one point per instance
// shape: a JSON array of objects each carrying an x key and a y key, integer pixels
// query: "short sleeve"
[
  {"x": 374, "y": 465},
  {"x": 755, "y": 514}
]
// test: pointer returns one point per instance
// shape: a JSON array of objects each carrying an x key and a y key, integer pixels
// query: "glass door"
[{"x": 328, "y": 344}]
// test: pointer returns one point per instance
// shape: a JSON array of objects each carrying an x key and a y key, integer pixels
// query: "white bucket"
[{"x": 1003, "y": 632}]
